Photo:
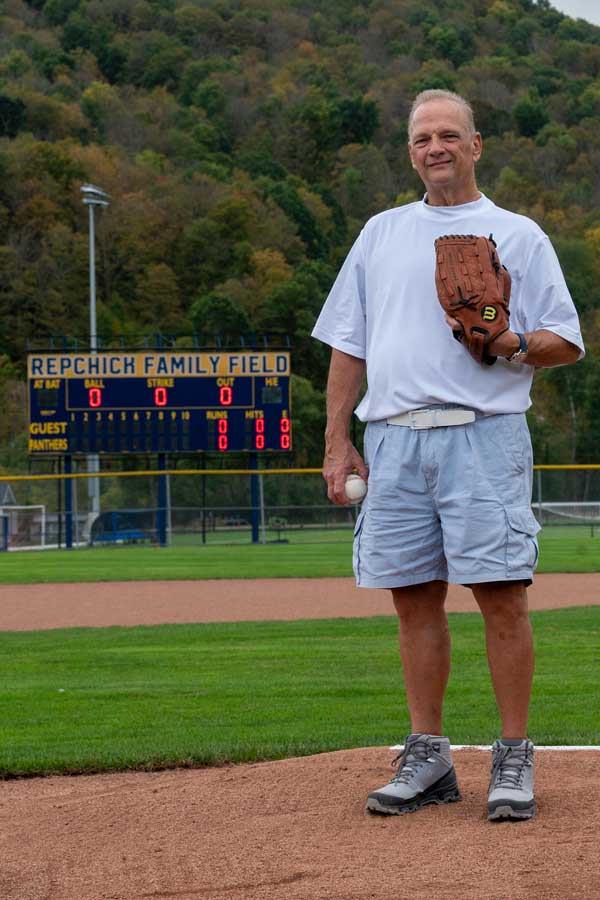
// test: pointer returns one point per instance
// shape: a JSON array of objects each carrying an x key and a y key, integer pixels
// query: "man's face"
[{"x": 442, "y": 147}]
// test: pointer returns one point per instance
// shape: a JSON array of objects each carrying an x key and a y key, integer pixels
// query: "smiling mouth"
[{"x": 443, "y": 162}]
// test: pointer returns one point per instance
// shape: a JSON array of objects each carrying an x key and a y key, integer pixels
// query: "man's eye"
[{"x": 420, "y": 142}]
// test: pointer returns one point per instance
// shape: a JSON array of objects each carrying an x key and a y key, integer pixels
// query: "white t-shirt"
[{"x": 383, "y": 308}]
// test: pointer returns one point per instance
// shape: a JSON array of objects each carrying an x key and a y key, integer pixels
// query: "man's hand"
[
  {"x": 341, "y": 457},
  {"x": 340, "y": 460},
  {"x": 504, "y": 345}
]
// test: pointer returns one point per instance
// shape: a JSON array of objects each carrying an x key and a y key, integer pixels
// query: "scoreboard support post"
[
  {"x": 161, "y": 513},
  {"x": 68, "y": 468},
  {"x": 255, "y": 499},
  {"x": 4, "y": 522},
  {"x": 59, "y": 500},
  {"x": 203, "y": 498}
]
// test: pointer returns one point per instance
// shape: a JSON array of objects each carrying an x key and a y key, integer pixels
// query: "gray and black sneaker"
[
  {"x": 511, "y": 785},
  {"x": 425, "y": 775}
]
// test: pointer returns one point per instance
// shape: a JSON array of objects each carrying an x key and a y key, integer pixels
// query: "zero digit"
[
  {"x": 94, "y": 397},
  {"x": 225, "y": 395},
  {"x": 160, "y": 396},
  {"x": 259, "y": 434}
]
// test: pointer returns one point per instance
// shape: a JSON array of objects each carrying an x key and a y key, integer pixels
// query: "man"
[{"x": 447, "y": 451}]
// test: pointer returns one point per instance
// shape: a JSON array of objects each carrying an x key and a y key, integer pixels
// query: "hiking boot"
[
  {"x": 511, "y": 785},
  {"x": 425, "y": 775}
]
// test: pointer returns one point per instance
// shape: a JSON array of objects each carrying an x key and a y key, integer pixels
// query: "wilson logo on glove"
[{"x": 489, "y": 313}]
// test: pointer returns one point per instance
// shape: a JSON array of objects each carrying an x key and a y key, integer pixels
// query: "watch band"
[{"x": 518, "y": 355}]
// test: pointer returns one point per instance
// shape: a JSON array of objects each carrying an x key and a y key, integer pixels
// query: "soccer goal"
[
  {"x": 26, "y": 526},
  {"x": 582, "y": 514}
]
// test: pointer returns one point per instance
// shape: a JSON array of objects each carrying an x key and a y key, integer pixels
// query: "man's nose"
[{"x": 436, "y": 145}]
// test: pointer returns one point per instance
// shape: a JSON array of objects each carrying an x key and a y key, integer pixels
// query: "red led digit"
[
  {"x": 225, "y": 396},
  {"x": 284, "y": 437},
  {"x": 222, "y": 428},
  {"x": 259, "y": 434},
  {"x": 95, "y": 397},
  {"x": 160, "y": 396}
]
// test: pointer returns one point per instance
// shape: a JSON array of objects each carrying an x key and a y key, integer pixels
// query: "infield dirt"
[
  {"x": 295, "y": 829},
  {"x": 32, "y": 606}
]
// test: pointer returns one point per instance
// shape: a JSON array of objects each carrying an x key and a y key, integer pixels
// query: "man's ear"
[
  {"x": 477, "y": 146},
  {"x": 412, "y": 162}
]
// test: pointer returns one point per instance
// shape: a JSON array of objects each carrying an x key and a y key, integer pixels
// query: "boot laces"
[
  {"x": 413, "y": 755},
  {"x": 509, "y": 764}
]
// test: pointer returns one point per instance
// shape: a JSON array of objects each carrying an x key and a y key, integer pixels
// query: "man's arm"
[
  {"x": 544, "y": 348},
  {"x": 346, "y": 374}
]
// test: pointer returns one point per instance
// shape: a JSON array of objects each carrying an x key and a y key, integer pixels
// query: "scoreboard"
[{"x": 159, "y": 402}]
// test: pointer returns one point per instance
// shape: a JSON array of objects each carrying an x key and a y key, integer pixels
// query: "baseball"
[{"x": 355, "y": 487}]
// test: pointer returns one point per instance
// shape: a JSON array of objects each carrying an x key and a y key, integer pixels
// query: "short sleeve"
[
  {"x": 547, "y": 302},
  {"x": 342, "y": 321}
]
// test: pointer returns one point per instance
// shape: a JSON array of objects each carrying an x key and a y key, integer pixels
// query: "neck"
[{"x": 450, "y": 196}]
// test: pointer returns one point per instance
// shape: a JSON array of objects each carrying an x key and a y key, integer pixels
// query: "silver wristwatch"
[{"x": 518, "y": 355}]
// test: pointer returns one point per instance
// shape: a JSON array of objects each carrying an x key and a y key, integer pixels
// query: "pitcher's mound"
[{"x": 297, "y": 830}]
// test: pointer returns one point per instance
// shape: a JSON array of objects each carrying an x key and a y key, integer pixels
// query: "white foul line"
[{"x": 537, "y": 747}]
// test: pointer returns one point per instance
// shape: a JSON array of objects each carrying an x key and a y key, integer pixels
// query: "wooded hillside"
[{"x": 245, "y": 143}]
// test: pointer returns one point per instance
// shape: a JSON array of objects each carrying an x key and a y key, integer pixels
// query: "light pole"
[{"x": 93, "y": 196}]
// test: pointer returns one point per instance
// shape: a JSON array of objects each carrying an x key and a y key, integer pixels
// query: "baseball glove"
[{"x": 474, "y": 288}]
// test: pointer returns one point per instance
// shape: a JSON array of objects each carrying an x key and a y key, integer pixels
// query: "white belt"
[{"x": 433, "y": 418}]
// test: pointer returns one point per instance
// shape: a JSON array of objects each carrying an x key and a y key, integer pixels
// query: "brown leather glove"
[{"x": 474, "y": 288}]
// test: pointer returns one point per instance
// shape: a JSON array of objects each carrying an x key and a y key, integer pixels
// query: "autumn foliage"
[{"x": 245, "y": 143}]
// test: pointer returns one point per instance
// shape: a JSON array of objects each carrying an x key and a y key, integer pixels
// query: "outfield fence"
[{"x": 227, "y": 506}]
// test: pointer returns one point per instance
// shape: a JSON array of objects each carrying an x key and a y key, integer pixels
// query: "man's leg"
[
  {"x": 509, "y": 649},
  {"x": 426, "y": 773},
  {"x": 511, "y": 661},
  {"x": 424, "y": 651}
]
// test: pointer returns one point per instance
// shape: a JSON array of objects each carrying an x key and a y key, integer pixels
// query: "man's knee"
[
  {"x": 505, "y": 600},
  {"x": 420, "y": 601}
]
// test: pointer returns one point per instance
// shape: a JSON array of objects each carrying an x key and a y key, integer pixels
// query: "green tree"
[
  {"x": 12, "y": 116},
  {"x": 155, "y": 59},
  {"x": 287, "y": 197},
  {"x": 309, "y": 421},
  {"x": 214, "y": 314},
  {"x": 455, "y": 44},
  {"x": 158, "y": 302},
  {"x": 58, "y": 11},
  {"x": 530, "y": 115},
  {"x": 293, "y": 308}
]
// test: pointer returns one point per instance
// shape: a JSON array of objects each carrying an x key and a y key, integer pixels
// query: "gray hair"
[{"x": 438, "y": 94}]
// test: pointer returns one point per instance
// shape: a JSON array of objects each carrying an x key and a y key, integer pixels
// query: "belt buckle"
[{"x": 427, "y": 416}]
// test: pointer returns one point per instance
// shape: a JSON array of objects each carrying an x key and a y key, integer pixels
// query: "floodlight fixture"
[{"x": 94, "y": 196}]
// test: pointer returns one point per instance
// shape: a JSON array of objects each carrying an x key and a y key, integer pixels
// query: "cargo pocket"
[
  {"x": 521, "y": 545},
  {"x": 356, "y": 546}
]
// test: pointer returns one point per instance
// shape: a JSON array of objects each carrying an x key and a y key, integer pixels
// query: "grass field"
[
  {"x": 308, "y": 554},
  {"x": 108, "y": 699}
]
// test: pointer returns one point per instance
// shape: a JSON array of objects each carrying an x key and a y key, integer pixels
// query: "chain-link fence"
[{"x": 237, "y": 506}]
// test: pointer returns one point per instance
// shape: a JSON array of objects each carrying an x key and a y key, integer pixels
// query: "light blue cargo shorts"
[{"x": 450, "y": 503}]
